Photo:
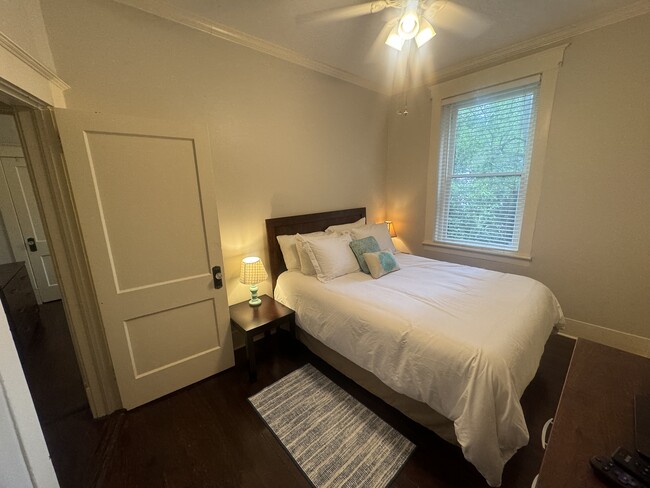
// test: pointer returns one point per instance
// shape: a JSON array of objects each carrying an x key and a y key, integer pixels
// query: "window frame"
[
  {"x": 445, "y": 173},
  {"x": 544, "y": 65}
]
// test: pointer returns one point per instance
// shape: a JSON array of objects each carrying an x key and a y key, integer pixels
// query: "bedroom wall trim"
[
  {"x": 614, "y": 338},
  {"x": 489, "y": 255},
  {"x": 203, "y": 24},
  {"x": 18, "y": 68},
  {"x": 513, "y": 51}
]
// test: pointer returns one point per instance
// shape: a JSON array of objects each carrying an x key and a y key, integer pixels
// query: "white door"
[
  {"x": 30, "y": 240},
  {"x": 145, "y": 197}
]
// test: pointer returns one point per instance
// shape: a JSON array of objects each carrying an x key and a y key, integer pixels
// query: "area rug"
[{"x": 334, "y": 439}]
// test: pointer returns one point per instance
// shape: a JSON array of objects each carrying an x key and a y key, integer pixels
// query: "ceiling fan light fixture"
[
  {"x": 409, "y": 25},
  {"x": 394, "y": 40},
  {"x": 426, "y": 33}
]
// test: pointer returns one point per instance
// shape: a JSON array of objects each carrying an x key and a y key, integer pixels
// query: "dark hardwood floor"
[
  {"x": 209, "y": 435},
  {"x": 51, "y": 368},
  {"x": 57, "y": 390}
]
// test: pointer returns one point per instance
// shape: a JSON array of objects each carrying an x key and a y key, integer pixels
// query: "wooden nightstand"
[{"x": 255, "y": 320}]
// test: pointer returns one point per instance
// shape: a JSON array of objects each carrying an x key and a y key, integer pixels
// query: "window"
[
  {"x": 485, "y": 154},
  {"x": 489, "y": 130}
]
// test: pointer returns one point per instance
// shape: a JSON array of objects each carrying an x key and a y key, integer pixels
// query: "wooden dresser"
[
  {"x": 19, "y": 303},
  {"x": 595, "y": 414}
]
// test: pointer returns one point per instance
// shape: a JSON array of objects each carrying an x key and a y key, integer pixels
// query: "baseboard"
[{"x": 609, "y": 337}]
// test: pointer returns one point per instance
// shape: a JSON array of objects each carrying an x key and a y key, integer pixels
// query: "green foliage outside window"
[{"x": 490, "y": 145}]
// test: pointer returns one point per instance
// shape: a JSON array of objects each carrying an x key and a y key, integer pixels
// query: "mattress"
[{"x": 465, "y": 341}]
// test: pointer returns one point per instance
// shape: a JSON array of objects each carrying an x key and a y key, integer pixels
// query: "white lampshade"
[
  {"x": 394, "y": 40},
  {"x": 426, "y": 33},
  {"x": 252, "y": 271}
]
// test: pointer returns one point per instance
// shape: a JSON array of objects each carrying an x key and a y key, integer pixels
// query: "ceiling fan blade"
[
  {"x": 343, "y": 13},
  {"x": 457, "y": 19}
]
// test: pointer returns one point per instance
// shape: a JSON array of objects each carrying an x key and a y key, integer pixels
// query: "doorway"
[
  {"x": 46, "y": 169},
  {"x": 46, "y": 349},
  {"x": 22, "y": 236}
]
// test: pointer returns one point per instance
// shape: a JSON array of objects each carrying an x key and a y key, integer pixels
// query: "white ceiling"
[{"x": 353, "y": 48}]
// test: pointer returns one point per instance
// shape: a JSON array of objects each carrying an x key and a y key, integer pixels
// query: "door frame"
[{"x": 46, "y": 166}]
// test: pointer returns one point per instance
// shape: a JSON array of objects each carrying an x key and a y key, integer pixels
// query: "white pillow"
[
  {"x": 331, "y": 257},
  {"x": 344, "y": 227},
  {"x": 379, "y": 232},
  {"x": 289, "y": 251},
  {"x": 305, "y": 262}
]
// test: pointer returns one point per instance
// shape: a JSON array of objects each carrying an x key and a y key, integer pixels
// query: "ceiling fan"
[{"x": 415, "y": 20}]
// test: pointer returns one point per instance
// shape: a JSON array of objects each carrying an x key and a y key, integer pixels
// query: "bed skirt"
[{"x": 418, "y": 411}]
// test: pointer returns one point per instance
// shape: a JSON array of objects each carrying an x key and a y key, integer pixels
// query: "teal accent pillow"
[
  {"x": 362, "y": 246},
  {"x": 380, "y": 263}
]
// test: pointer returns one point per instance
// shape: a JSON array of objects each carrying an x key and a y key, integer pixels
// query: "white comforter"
[{"x": 466, "y": 341}]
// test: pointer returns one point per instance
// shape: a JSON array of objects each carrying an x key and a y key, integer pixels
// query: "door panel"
[
  {"x": 144, "y": 250},
  {"x": 193, "y": 324},
  {"x": 40, "y": 266},
  {"x": 145, "y": 196}
]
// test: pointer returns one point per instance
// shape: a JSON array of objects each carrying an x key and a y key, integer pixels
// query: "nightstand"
[{"x": 255, "y": 320}]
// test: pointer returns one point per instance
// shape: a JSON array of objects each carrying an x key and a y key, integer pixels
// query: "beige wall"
[
  {"x": 592, "y": 235},
  {"x": 25, "y": 56},
  {"x": 22, "y": 22},
  {"x": 285, "y": 140},
  {"x": 314, "y": 143}
]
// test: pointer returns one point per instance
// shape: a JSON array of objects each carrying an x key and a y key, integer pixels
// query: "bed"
[{"x": 451, "y": 346}]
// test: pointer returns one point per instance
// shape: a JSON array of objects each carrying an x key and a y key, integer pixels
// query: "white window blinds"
[{"x": 485, "y": 153}]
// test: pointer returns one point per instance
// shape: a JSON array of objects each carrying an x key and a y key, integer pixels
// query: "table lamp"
[
  {"x": 391, "y": 228},
  {"x": 252, "y": 273}
]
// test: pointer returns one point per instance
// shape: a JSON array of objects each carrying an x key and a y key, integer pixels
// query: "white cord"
[{"x": 548, "y": 424}]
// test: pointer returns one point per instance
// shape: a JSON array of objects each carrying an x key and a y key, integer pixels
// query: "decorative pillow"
[
  {"x": 362, "y": 246},
  {"x": 305, "y": 262},
  {"x": 380, "y": 263},
  {"x": 331, "y": 257},
  {"x": 379, "y": 232},
  {"x": 289, "y": 251},
  {"x": 344, "y": 227}
]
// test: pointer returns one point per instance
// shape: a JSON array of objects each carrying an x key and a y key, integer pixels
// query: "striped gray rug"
[{"x": 334, "y": 439}]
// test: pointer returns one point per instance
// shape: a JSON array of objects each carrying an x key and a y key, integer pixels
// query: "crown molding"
[
  {"x": 32, "y": 62},
  {"x": 529, "y": 46},
  {"x": 162, "y": 9}
]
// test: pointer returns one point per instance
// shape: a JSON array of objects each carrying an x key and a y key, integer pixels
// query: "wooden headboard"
[{"x": 302, "y": 224}]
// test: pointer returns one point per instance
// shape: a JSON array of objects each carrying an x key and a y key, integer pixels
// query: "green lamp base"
[{"x": 254, "y": 301}]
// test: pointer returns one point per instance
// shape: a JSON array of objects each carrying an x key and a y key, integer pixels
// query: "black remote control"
[
  {"x": 633, "y": 464},
  {"x": 611, "y": 474}
]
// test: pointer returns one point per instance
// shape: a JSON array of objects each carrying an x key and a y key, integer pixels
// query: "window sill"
[{"x": 478, "y": 253}]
